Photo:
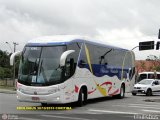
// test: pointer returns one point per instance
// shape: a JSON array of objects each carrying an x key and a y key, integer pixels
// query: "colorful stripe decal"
[
  {"x": 76, "y": 89},
  {"x": 115, "y": 92},
  {"x": 88, "y": 59},
  {"x": 101, "y": 90},
  {"x": 109, "y": 89},
  {"x": 89, "y": 92}
]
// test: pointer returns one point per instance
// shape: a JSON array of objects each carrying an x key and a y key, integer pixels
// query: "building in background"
[{"x": 147, "y": 65}]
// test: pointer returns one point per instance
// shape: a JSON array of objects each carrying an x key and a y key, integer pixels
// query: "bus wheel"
[
  {"x": 82, "y": 98},
  {"x": 122, "y": 92},
  {"x": 43, "y": 104}
]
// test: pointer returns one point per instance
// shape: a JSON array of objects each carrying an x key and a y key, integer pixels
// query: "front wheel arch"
[
  {"x": 82, "y": 97},
  {"x": 122, "y": 91}
]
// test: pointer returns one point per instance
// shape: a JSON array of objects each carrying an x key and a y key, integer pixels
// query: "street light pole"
[
  {"x": 134, "y": 48},
  {"x": 9, "y": 47},
  {"x": 14, "y": 43}
]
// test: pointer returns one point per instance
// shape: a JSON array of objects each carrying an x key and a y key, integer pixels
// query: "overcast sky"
[{"x": 123, "y": 23}]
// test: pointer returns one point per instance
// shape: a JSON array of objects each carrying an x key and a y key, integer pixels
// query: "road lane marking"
[
  {"x": 65, "y": 117},
  {"x": 90, "y": 112},
  {"x": 113, "y": 112},
  {"x": 144, "y": 104},
  {"x": 120, "y": 105},
  {"x": 125, "y": 105},
  {"x": 155, "y": 111},
  {"x": 145, "y": 107}
]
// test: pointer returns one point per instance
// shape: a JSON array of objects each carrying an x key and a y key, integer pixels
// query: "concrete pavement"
[{"x": 131, "y": 107}]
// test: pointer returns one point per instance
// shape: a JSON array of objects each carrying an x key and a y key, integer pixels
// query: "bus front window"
[
  {"x": 40, "y": 65},
  {"x": 49, "y": 71},
  {"x": 29, "y": 64}
]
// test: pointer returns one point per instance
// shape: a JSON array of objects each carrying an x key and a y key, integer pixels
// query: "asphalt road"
[{"x": 129, "y": 108}]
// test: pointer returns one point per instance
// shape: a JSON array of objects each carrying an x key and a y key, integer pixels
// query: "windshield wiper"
[
  {"x": 40, "y": 67},
  {"x": 43, "y": 73}
]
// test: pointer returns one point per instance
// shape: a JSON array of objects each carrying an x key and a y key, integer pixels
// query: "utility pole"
[{"x": 14, "y": 65}]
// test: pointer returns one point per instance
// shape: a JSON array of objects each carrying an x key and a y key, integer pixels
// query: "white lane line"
[
  {"x": 121, "y": 105},
  {"x": 155, "y": 111},
  {"x": 113, "y": 112},
  {"x": 139, "y": 106},
  {"x": 90, "y": 112},
  {"x": 144, "y": 104},
  {"x": 65, "y": 117},
  {"x": 145, "y": 107}
]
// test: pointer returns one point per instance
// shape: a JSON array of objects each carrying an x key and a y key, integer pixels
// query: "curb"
[{"x": 7, "y": 91}]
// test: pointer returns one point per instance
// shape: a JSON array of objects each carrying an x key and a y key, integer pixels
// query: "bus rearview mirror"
[
  {"x": 64, "y": 56},
  {"x": 12, "y": 57}
]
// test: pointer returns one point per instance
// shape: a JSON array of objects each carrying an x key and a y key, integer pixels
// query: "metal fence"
[{"x": 7, "y": 82}]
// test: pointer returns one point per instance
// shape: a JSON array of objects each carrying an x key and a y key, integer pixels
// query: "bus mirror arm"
[
  {"x": 12, "y": 57},
  {"x": 64, "y": 56}
]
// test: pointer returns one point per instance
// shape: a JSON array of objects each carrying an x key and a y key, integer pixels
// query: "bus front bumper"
[{"x": 55, "y": 98}]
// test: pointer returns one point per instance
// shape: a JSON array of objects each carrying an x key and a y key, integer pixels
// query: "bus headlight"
[
  {"x": 21, "y": 90},
  {"x": 58, "y": 98},
  {"x": 17, "y": 97},
  {"x": 53, "y": 90}
]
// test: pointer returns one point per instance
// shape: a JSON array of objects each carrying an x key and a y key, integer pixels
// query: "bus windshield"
[{"x": 40, "y": 66}]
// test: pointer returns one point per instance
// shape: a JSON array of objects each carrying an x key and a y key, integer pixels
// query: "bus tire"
[
  {"x": 43, "y": 104},
  {"x": 82, "y": 98},
  {"x": 122, "y": 92}
]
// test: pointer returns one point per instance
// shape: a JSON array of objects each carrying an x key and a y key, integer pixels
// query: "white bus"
[{"x": 65, "y": 69}]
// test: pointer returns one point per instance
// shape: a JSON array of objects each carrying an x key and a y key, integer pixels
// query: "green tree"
[
  {"x": 6, "y": 71},
  {"x": 1, "y": 73},
  {"x": 4, "y": 59}
]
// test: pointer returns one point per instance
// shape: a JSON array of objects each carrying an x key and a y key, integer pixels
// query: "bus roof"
[{"x": 66, "y": 39}]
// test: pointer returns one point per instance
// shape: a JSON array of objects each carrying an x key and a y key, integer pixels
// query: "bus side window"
[
  {"x": 131, "y": 73},
  {"x": 82, "y": 63}
]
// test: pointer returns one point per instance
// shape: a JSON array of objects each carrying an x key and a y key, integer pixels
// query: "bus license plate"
[{"x": 35, "y": 98}]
